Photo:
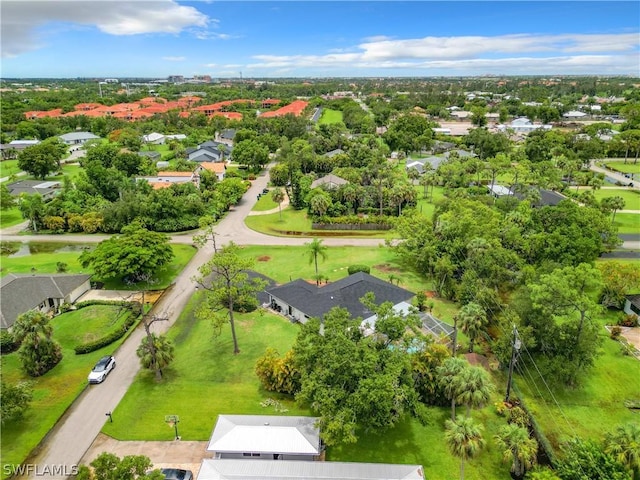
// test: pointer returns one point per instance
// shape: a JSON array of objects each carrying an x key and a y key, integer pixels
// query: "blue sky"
[{"x": 157, "y": 38}]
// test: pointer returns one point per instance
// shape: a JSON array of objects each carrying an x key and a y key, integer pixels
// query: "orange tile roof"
[
  {"x": 216, "y": 167},
  {"x": 174, "y": 174},
  {"x": 87, "y": 106},
  {"x": 296, "y": 107},
  {"x": 159, "y": 185}
]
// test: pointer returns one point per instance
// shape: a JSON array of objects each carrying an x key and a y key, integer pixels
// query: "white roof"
[
  {"x": 265, "y": 434},
  {"x": 152, "y": 137},
  {"x": 574, "y": 113},
  {"x": 24, "y": 142},
  {"x": 177, "y": 136},
  {"x": 218, "y": 469},
  {"x": 500, "y": 190},
  {"x": 78, "y": 136}
]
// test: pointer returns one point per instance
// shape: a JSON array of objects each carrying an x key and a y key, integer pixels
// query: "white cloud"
[
  {"x": 174, "y": 59},
  {"x": 21, "y": 19},
  {"x": 501, "y": 54}
]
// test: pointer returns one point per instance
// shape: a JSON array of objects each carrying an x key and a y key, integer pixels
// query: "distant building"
[
  {"x": 78, "y": 138},
  {"x": 46, "y": 189}
]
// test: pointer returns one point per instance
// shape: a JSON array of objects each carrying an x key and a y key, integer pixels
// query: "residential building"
[
  {"x": 46, "y": 189},
  {"x": 20, "y": 293},
  {"x": 78, "y": 138}
]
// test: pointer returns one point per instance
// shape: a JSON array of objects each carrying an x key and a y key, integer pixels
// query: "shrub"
[
  {"x": 519, "y": 416},
  {"x": 8, "y": 344},
  {"x": 358, "y": 268},
  {"x": 61, "y": 267},
  {"x": 628, "y": 320},
  {"x": 615, "y": 332},
  {"x": 114, "y": 335}
]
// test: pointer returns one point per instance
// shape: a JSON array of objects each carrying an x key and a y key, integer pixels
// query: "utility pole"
[{"x": 515, "y": 348}]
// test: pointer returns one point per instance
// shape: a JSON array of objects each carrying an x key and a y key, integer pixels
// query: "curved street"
[{"x": 74, "y": 433}]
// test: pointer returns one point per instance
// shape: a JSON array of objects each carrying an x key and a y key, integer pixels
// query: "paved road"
[
  {"x": 73, "y": 434},
  {"x": 614, "y": 175}
]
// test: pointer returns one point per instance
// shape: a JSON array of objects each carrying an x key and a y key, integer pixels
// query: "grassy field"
[
  {"x": 206, "y": 379},
  {"x": 330, "y": 116},
  {"x": 265, "y": 203},
  {"x": 56, "y": 390},
  {"x": 620, "y": 166},
  {"x": 43, "y": 257},
  {"x": 627, "y": 222},
  {"x": 8, "y": 168},
  {"x": 205, "y": 368},
  {"x": 631, "y": 197},
  {"x": 296, "y": 222},
  {"x": 594, "y": 408},
  {"x": 10, "y": 217}
]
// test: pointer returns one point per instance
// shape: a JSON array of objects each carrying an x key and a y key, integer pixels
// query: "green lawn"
[
  {"x": 265, "y": 203},
  {"x": 8, "y": 168},
  {"x": 45, "y": 256},
  {"x": 296, "y": 222},
  {"x": 596, "y": 407},
  {"x": 10, "y": 217},
  {"x": 206, "y": 379},
  {"x": 620, "y": 166},
  {"x": 627, "y": 222},
  {"x": 57, "y": 389},
  {"x": 330, "y": 116},
  {"x": 631, "y": 197}
]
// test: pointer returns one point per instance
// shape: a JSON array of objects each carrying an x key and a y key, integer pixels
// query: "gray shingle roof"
[
  {"x": 21, "y": 293},
  {"x": 265, "y": 434},
  {"x": 316, "y": 301},
  {"x": 217, "y": 469}
]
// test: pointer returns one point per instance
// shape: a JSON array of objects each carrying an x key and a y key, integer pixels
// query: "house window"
[
  {"x": 255, "y": 454},
  {"x": 635, "y": 309},
  {"x": 246, "y": 454}
]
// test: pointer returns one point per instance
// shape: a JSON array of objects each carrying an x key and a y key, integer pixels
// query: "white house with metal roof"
[
  {"x": 284, "y": 470},
  {"x": 77, "y": 138},
  {"x": 265, "y": 437}
]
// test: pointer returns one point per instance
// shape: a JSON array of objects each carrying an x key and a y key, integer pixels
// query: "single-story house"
[
  {"x": 415, "y": 165},
  {"x": 10, "y": 150},
  {"x": 523, "y": 125},
  {"x": 203, "y": 154},
  {"x": 330, "y": 182},
  {"x": 499, "y": 190},
  {"x": 265, "y": 437},
  {"x": 301, "y": 300},
  {"x": 227, "y": 134},
  {"x": 460, "y": 153},
  {"x": 20, "y": 293},
  {"x": 175, "y": 136},
  {"x": 574, "y": 114},
  {"x": 218, "y": 168},
  {"x": 166, "y": 179},
  {"x": 548, "y": 198},
  {"x": 215, "y": 469},
  {"x": 154, "y": 138},
  {"x": 77, "y": 138},
  {"x": 632, "y": 305},
  {"x": 46, "y": 189}
]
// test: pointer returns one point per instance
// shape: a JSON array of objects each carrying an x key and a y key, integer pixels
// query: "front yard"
[{"x": 58, "y": 388}]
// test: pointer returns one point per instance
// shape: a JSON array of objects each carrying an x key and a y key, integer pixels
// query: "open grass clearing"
[
  {"x": 205, "y": 379},
  {"x": 10, "y": 217},
  {"x": 296, "y": 223},
  {"x": 58, "y": 388},
  {"x": 330, "y": 116},
  {"x": 620, "y": 166},
  {"x": 631, "y": 197},
  {"x": 8, "y": 168},
  {"x": 264, "y": 203},
  {"x": 42, "y": 258},
  {"x": 594, "y": 408},
  {"x": 627, "y": 223}
]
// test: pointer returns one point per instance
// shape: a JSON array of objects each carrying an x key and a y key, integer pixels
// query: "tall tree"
[
  {"x": 612, "y": 205},
  {"x": 278, "y": 196},
  {"x": 32, "y": 209},
  {"x": 6, "y": 199},
  {"x": 39, "y": 353},
  {"x": 472, "y": 318},
  {"x": 227, "y": 286},
  {"x": 473, "y": 387},
  {"x": 464, "y": 439},
  {"x": 131, "y": 255},
  {"x": 41, "y": 159},
  {"x": 14, "y": 400},
  {"x": 315, "y": 249},
  {"x": 518, "y": 447},
  {"x": 108, "y": 466},
  {"x": 447, "y": 374}
]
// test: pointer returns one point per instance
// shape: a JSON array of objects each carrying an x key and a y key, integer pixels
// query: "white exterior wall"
[
  {"x": 288, "y": 310},
  {"x": 78, "y": 292}
]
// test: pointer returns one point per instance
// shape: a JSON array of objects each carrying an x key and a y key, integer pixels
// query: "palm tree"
[
  {"x": 32, "y": 326},
  {"x": 315, "y": 248},
  {"x": 450, "y": 368},
  {"x": 39, "y": 352},
  {"x": 472, "y": 318},
  {"x": 624, "y": 445},
  {"x": 464, "y": 439},
  {"x": 473, "y": 387},
  {"x": 278, "y": 196},
  {"x": 155, "y": 353},
  {"x": 517, "y": 446}
]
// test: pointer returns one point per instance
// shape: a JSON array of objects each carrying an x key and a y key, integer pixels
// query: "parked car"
[
  {"x": 102, "y": 369},
  {"x": 176, "y": 474},
  {"x": 265, "y": 191}
]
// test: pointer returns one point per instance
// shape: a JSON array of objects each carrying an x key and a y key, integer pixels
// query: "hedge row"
[
  {"x": 133, "y": 315},
  {"x": 382, "y": 221}
]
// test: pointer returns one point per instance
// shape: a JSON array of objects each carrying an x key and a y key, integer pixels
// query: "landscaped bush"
[
  {"x": 133, "y": 314},
  {"x": 615, "y": 332},
  {"x": 8, "y": 344},
  {"x": 628, "y": 320},
  {"x": 358, "y": 268}
]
